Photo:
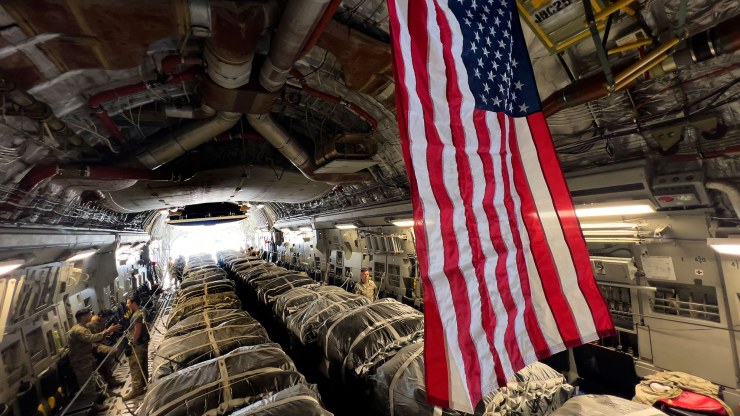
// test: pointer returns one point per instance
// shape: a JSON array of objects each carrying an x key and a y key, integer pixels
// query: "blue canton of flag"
[{"x": 495, "y": 56}]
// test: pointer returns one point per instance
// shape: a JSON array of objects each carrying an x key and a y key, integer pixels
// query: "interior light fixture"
[
  {"x": 164, "y": 212},
  {"x": 345, "y": 226},
  {"x": 285, "y": 230},
  {"x": 629, "y": 233},
  {"x": 610, "y": 226},
  {"x": 9, "y": 266},
  {"x": 614, "y": 209},
  {"x": 403, "y": 222},
  {"x": 729, "y": 246},
  {"x": 613, "y": 240},
  {"x": 82, "y": 255},
  {"x": 260, "y": 206},
  {"x": 305, "y": 229}
]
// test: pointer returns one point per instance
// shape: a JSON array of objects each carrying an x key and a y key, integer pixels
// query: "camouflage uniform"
[
  {"x": 100, "y": 352},
  {"x": 366, "y": 289},
  {"x": 81, "y": 354},
  {"x": 139, "y": 353}
]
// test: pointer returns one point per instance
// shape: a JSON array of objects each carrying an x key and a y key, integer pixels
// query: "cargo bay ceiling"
[{"x": 114, "y": 110}]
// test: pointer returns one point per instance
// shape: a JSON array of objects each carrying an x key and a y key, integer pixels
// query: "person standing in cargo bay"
[
  {"x": 366, "y": 287},
  {"x": 81, "y": 348},
  {"x": 139, "y": 340}
]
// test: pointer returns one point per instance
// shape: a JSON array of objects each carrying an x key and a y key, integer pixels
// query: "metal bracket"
[{"x": 600, "y": 51}]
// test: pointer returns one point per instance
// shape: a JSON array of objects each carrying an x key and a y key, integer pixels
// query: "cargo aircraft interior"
[{"x": 206, "y": 207}]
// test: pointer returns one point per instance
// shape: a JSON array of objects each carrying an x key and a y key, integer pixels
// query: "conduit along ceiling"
[{"x": 112, "y": 111}]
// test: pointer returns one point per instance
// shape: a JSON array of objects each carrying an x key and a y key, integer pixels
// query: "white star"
[
  {"x": 501, "y": 89},
  {"x": 488, "y": 41},
  {"x": 483, "y": 97},
  {"x": 486, "y": 9},
  {"x": 490, "y": 75},
  {"x": 470, "y": 14},
  {"x": 505, "y": 78},
  {"x": 508, "y": 24},
  {"x": 490, "y": 1},
  {"x": 498, "y": 54},
  {"x": 477, "y": 37},
  {"x": 468, "y": 22},
  {"x": 523, "y": 108},
  {"x": 477, "y": 73},
  {"x": 474, "y": 5},
  {"x": 473, "y": 47},
  {"x": 495, "y": 65},
  {"x": 513, "y": 96},
  {"x": 518, "y": 85},
  {"x": 503, "y": 3},
  {"x": 496, "y": 21},
  {"x": 480, "y": 26},
  {"x": 511, "y": 106},
  {"x": 501, "y": 12},
  {"x": 514, "y": 63},
  {"x": 484, "y": 18},
  {"x": 486, "y": 88},
  {"x": 506, "y": 33},
  {"x": 485, "y": 52},
  {"x": 480, "y": 62},
  {"x": 501, "y": 43},
  {"x": 496, "y": 101}
]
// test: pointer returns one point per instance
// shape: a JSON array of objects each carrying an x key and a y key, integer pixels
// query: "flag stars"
[
  {"x": 473, "y": 47},
  {"x": 480, "y": 62},
  {"x": 477, "y": 73},
  {"x": 486, "y": 9},
  {"x": 484, "y": 99},
  {"x": 501, "y": 43},
  {"x": 490, "y": 75},
  {"x": 523, "y": 108},
  {"x": 501, "y": 12},
  {"x": 484, "y": 18},
  {"x": 480, "y": 26},
  {"x": 468, "y": 22},
  {"x": 497, "y": 54},
  {"x": 477, "y": 37},
  {"x": 486, "y": 88},
  {"x": 518, "y": 85},
  {"x": 496, "y": 101},
  {"x": 474, "y": 5},
  {"x": 514, "y": 63},
  {"x": 488, "y": 41},
  {"x": 495, "y": 66},
  {"x": 485, "y": 52},
  {"x": 470, "y": 14},
  {"x": 496, "y": 21}
]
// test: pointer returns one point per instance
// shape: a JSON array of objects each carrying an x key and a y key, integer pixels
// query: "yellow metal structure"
[{"x": 559, "y": 24}]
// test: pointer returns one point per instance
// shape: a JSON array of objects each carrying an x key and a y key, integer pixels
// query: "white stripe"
[
  {"x": 435, "y": 250},
  {"x": 479, "y": 180},
  {"x": 438, "y": 89},
  {"x": 544, "y": 315},
  {"x": 553, "y": 230}
]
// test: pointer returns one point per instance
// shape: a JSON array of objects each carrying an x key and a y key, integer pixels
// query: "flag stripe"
[
  {"x": 564, "y": 271},
  {"x": 441, "y": 159},
  {"x": 459, "y": 101},
  {"x": 436, "y": 360},
  {"x": 443, "y": 272},
  {"x": 568, "y": 221}
]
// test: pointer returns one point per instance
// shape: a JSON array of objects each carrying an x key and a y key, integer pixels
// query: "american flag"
[{"x": 506, "y": 273}]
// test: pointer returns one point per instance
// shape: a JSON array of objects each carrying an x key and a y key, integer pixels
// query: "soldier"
[
  {"x": 101, "y": 351},
  {"x": 139, "y": 339},
  {"x": 365, "y": 287},
  {"x": 81, "y": 348}
]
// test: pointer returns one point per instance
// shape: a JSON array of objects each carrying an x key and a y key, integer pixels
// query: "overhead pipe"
[
  {"x": 167, "y": 146},
  {"x": 719, "y": 40},
  {"x": 171, "y": 62},
  {"x": 297, "y": 155},
  {"x": 229, "y": 51},
  {"x": 732, "y": 192},
  {"x": 299, "y": 22},
  {"x": 333, "y": 99},
  {"x": 37, "y": 110},
  {"x": 325, "y": 19},
  {"x": 96, "y": 101},
  {"x": 40, "y": 173}
]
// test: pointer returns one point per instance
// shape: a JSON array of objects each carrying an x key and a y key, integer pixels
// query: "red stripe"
[
  {"x": 435, "y": 360},
  {"x": 541, "y": 348},
  {"x": 494, "y": 229},
  {"x": 465, "y": 180},
  {"x": 458, "y": 289},
  {"x": 569, "y": 223},
  {"x": 542, "y": 255}
]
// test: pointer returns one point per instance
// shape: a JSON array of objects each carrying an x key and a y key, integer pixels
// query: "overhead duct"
[
  {"x": 732, "y": 192},
  {"x": 298, "y": 156},
  {"x": 168, "y": 146},
  {"x": 721, "y": 39},
  {"x": 297, "y": 27}
]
